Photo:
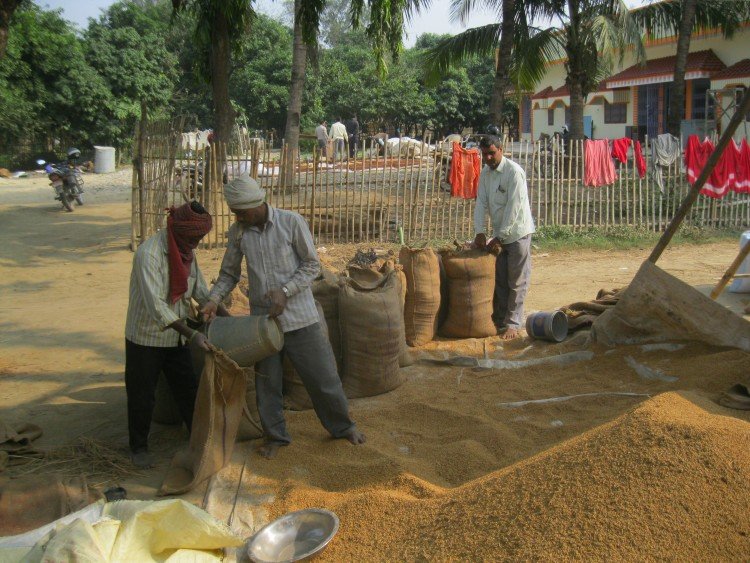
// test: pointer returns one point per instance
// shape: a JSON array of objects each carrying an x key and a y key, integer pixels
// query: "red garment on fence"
[
  {"x": 465, "y": 168},
  {"x": 640, "y": 162},
  {"x": 732, "y": 172},
  {"x": 620, "y": 149},
  {"x": 599, "y": 170}
]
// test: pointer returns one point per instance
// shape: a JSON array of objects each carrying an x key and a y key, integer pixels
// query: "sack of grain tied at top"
[
  {"x": 422, "y": 304},
  {"x": 471, "y": 285},
  {"x": 372, "y": 335}
]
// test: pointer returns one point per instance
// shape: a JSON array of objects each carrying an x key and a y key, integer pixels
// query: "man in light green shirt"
[{"x": 502, "y": 192}]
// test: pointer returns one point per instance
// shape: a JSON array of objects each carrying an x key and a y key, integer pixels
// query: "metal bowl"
[{"x": 294, "y": 537}]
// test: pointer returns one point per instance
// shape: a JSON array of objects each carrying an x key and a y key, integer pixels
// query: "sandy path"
[{"x": 64, "y": 288}]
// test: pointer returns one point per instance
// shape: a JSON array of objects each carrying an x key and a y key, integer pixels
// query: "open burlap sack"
[
  {"x": 422, "y": 303},
  {"x": 471, "y": 285},
  {"x": 372, "y": 336},
  {"x": 250, "y": 427},
  {"x": 216, "y": 419},
  {"x": 296, "y": 396}
]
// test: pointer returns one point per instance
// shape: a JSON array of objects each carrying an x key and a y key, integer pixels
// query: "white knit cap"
[{"x": 243, "y": 193}]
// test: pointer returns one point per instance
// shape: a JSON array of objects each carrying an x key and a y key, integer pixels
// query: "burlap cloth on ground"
[
  {"x": 16, "y": 438},
  {"x": 219, "y": 409},
  {"x": 29, "y": 502},
  {"x": 582, "y": 314}
]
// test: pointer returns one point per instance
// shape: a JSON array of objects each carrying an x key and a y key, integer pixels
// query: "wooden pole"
[
  {"x": 729, "y": 274},
  {"x": 141, "y": 170},
  {"x": 689, "y": 200}
]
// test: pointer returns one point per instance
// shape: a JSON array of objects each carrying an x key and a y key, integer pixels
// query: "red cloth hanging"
[
  {"x": 742, "y": 172},
  {"x": 465, "y": 168},
  {"x": 724, "y": 175},
  {"x": 598, "y": 169},
  {"x": 640, "y": 162},
  {"x": 620, "y": 149}
]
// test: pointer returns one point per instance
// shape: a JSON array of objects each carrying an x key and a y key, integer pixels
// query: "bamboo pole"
[{"x": 729, "y": 274}]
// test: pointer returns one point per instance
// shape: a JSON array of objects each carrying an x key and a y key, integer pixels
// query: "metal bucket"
[
  {"x": 247, "y": 339},
  {"x": 552, "y": 326}
]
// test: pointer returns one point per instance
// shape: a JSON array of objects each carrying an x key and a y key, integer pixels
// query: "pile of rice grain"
[{"x": 668, "y": 480}]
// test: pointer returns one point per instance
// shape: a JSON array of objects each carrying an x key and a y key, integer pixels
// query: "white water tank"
[
  {"x": 104, "y": 160},
  {"x": 742, "y": 285}
]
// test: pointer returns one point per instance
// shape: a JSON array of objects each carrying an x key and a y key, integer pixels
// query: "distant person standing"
[
  {"x": 503, "y": 193},
  {"x": 352, "y": 130},
  {"x": 340, "y": 136},
  {"x": 321, "y": 132}
]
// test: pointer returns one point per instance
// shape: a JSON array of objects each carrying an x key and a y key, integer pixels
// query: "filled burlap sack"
[
  {"x": 471, "y": 285},
  {"x": 372, "y": 336},
  {"x": 326, "y": 292},
  {"x": 216, "y": 420},
  {"x": 422, "y": 303},
  {"x": 296, "y": 397}
]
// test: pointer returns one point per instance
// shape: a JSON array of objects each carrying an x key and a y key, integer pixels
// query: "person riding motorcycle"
[{"x": 66, "y": 179}]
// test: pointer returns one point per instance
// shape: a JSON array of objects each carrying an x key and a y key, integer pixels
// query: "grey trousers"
[
  {"x": 311, "y": 355},
  {"x": 512, "y": 278}
]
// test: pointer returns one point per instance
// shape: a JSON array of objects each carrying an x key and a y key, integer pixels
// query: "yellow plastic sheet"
[{"x": 169, "y": 530}]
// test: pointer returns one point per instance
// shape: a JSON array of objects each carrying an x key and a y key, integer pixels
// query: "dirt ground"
[{"x": 63, "y": 296}]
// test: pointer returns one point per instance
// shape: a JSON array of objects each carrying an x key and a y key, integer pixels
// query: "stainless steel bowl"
[{"x": 294, "y": 537}]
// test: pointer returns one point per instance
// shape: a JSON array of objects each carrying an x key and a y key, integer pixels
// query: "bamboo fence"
[{"x": 405, "y": 196}]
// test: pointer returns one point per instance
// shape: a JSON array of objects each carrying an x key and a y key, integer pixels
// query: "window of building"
[
  {"x": 699, "y": 99},
  {"x": 615, "y": 113},
  {"x": 551, "y": 116}
]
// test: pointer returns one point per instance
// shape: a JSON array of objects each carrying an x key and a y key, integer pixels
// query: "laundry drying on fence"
[
  {"x": 620, "y": 149},
  {"x": 665, "y": 150},
  {"x": 599, "y": 170},
  {"x": 465, "y": 168},
  {"x": 732, "y": 171}
]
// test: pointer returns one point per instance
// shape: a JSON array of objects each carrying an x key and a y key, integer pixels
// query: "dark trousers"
[
  {"x": 142, "y": 367},
  {"x": 353, "y": 142},
  {"x": 311, "y": 355},
  {"x": 512, "y": 278}
]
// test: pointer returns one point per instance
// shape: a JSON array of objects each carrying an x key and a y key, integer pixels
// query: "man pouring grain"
[
  {"x": 164, "y": 278},
  {"x": 502, "y": 192},
  {"x": 281, "y": 264}
]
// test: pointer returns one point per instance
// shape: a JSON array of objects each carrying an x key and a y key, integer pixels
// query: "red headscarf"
[{"x": 185, "y": 227}]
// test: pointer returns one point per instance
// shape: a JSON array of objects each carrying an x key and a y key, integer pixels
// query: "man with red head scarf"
[{"x": 164, "y": 278}]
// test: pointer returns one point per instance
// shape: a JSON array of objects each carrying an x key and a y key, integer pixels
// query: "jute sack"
[
  {"x": 250, "y": 427},
  {"x": 296, "y": 397},
  {"x": 422, "y": 272},
  {"x": 471, "y": 285},
  {"x": 372, "y": 336},
  {"x": 325, "y": 290},
  {"x": 216, "y": 419}
]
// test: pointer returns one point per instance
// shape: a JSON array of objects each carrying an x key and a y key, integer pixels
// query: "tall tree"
[
  {"x": 7, "y": 8},
  {"x": 683, "y": 18},
  {"x": 219, "y": 26}
]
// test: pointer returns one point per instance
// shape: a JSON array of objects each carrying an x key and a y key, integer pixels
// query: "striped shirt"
[
  {"x": 150, "y": 311},
  {"x": 279, "y": 254}
]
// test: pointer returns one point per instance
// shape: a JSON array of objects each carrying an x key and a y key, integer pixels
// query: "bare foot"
[
  {"x": 268, "y": 450},
  {"x": 356, "y": 437},
  {"x": 510, "y": 334}
]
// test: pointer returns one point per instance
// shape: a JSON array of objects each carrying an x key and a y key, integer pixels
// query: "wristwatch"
[{"x": 285, "y": 290}]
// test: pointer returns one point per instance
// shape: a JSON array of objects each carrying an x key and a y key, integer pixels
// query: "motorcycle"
[{"x": 66, "y": 180}]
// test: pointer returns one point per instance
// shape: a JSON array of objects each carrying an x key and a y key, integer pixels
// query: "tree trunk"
[
  {"x": 576, "y": 108},
  {"x": 220, "y": 60},
  {"x": 291, "y": 131},
  {"x": 677, "y": 103},
  {"x": 502, "y": 75},
  {"x": 7, "y": 7}
]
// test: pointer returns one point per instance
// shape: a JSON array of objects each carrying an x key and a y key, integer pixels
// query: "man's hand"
[
  {"x": 209, "y": 311},
  {"x": 199, "y": 339},
  {"x": 480, "y": 241},
  {"x": 494, "y": 246},
  {"x": 278, "y": 302}
]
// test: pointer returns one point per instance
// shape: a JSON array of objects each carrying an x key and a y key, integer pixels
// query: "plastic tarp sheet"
[{"x": 128, "y": 530}]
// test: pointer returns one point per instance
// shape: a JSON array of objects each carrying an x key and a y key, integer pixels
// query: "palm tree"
[
  {"x": 219, "y": 25},
  {"x": 385, "y": 31},
  {"x": 482, "y": 41},
  {"x": 683, "y": 18},
  {"x": 590, "y": 33}
]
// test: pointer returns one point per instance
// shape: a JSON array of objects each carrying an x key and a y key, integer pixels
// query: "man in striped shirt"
[
  {"x": 165, "y": 276},
  {"x": 281, "y": 264}
]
